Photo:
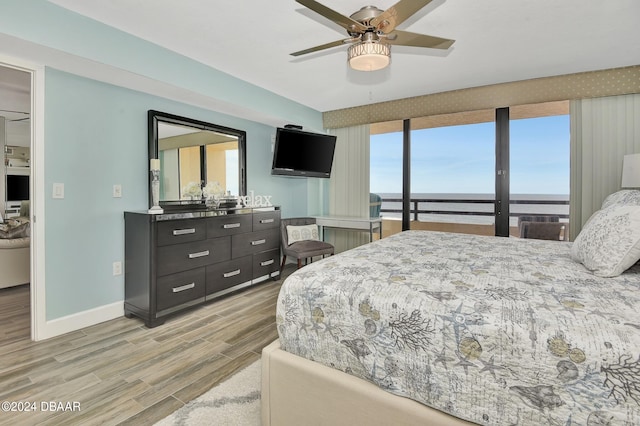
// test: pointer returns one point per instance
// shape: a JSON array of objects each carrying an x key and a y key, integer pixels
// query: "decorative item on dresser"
[{"x": 177, "y": 260}]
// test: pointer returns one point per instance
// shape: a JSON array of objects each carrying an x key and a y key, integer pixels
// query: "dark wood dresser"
[{"x": 177, "y": 260}]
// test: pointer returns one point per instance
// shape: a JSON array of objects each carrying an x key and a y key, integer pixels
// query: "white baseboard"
[{"x": 81, "y": 320}]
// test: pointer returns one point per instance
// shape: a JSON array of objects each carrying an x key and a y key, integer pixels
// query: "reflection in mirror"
[{"x": 196, "y": 156}]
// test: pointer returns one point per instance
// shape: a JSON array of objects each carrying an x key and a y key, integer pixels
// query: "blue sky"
[{"x": 461, "y": 159}]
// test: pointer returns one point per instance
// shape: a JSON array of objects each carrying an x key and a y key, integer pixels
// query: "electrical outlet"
[
  {"x": 117, "y": 268},
  {"x": 117, "y": 191}
]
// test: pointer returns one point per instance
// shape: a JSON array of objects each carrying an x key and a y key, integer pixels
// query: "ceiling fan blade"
[
  {"x": 397, "y": 14},
  {"x": 324, "y": 46},
  {"x": 405, "y": 38},
  {"x": 344, "y": 21}
]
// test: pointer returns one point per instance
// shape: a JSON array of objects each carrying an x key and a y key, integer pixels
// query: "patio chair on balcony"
[
  {"x": 375, "y": 204},
  {"x": 536, "y": 218},
  {"x": 557, "y": 231}
]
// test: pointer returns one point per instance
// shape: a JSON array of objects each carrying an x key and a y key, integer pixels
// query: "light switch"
[
  {"x": 117, "y": 191},
  {"x": 58, "y": 190}
]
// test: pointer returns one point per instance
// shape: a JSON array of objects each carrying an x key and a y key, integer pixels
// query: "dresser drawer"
[
  {"x": 228, "y": 225},
  {"x": 177, "y": 289},
  {"x": 254, "y": 242},
  {"x": 181, "y": 231},
  {"x": 181, "y": 257},
  {"x": 266, "y": 262},
  {"x": 266, "y": 220},
  {"x": 227, "y": 274}
]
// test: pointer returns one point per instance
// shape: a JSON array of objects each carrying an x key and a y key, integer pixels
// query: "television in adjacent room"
[
  {"x": 17, "y": 188},
  {"x": 300, "y": 153}
]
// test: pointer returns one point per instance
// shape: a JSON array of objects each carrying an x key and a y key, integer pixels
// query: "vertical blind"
[
  {"x": 603, "y": 130},
  {"x": 349, "y": 184}
]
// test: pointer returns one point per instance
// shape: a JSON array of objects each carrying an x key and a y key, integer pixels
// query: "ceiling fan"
[{"x": 373, "y": 31}]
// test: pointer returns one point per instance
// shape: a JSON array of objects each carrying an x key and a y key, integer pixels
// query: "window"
[
  {"x": 450, "y": 164},
  {"x": 539, "y": 165},
  {"x": 453, "y": 166},
  {"x": 385, "y": 169}
]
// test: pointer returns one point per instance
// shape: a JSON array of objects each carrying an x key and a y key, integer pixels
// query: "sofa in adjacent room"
[{"x": 15, "y": 245}]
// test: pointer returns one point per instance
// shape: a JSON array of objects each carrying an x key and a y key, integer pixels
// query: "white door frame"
[{"x": 37, "y": 215}]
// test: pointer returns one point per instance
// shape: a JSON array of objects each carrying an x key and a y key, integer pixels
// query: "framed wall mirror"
[{"x": 194, "y": 154}]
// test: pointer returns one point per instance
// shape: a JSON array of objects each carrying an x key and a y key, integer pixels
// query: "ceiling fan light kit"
[
  {"x": 369, "y": 56},
  {"x": 373, "y": 31}
]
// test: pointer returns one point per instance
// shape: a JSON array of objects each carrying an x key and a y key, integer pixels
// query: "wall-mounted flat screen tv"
[
  {"x": 300, "y": 153},
  {"x": 17, "y": 188}
]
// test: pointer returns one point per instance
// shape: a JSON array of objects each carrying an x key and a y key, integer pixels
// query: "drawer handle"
[
  {"x": 266, "y": 221},
  {"x": 267, "y": 262},
  {"x": 231, "y": 274},
  {"x": 231, "y": 225},
  {"x": 258, "y": 242},
  {"x": 199, "y": 254},
  {"x": 184, "y": 231},
  {"x": 183, "y": 287}
]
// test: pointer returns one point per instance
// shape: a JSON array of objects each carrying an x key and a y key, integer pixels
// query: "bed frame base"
[{"x": 296, "y": 391}]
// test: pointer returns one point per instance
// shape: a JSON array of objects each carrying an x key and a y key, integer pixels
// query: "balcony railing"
[{"x": 416, "y": 210}]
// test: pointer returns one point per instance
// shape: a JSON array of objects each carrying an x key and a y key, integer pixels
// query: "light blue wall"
[
  {"x": 46, "y": 24},
  {"x": 96, "y": 136}
]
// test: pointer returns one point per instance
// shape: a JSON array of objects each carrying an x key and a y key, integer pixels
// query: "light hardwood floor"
[{"x": 121, "y": 372}]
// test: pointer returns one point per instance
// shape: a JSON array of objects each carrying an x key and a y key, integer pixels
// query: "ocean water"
[{"x": 514, "y": 209}]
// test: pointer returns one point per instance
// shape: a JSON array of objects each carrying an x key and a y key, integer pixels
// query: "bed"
[{"x": 446, "y": 329}]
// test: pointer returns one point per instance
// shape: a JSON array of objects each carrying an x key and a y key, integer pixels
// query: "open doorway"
[{"x": 15, "y": 203}]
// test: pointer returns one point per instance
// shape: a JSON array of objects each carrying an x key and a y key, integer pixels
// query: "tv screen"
[
  {"x": 300, "y": 153},
  {"x": 17, "y": 188}
]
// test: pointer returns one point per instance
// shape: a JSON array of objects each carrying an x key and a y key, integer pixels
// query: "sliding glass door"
[
  {"x": 385, "y": 171},
  {"x": 539, "y": 173},
  {"x": 478, "y": 172},
  {"x": 452, "y": 184}
]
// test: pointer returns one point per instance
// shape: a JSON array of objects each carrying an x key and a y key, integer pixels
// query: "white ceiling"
[
  {"x": 496, "y": 41},
  {"x": 15, "y": 98}
]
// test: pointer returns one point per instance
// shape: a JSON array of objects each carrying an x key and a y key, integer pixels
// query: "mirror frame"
[{"x": 153, "y": 117}]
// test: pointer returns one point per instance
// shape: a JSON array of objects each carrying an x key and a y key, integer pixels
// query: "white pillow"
[
  {"x": 609, "y": 242},
  {"x": 624, "y": 197},
  {"x": 302, "y": 233}
]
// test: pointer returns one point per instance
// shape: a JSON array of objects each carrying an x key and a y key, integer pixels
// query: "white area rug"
[{"x": 233, "y": 402}]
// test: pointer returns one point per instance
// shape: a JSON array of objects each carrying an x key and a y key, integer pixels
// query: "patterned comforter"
[{"x": 492, "y": 330}]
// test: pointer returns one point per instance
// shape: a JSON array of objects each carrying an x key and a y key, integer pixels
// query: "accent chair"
[{"x": 304, "y": 249}]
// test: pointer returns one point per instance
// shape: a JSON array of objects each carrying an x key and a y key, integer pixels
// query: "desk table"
[{"x": 352, "y": 223}]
